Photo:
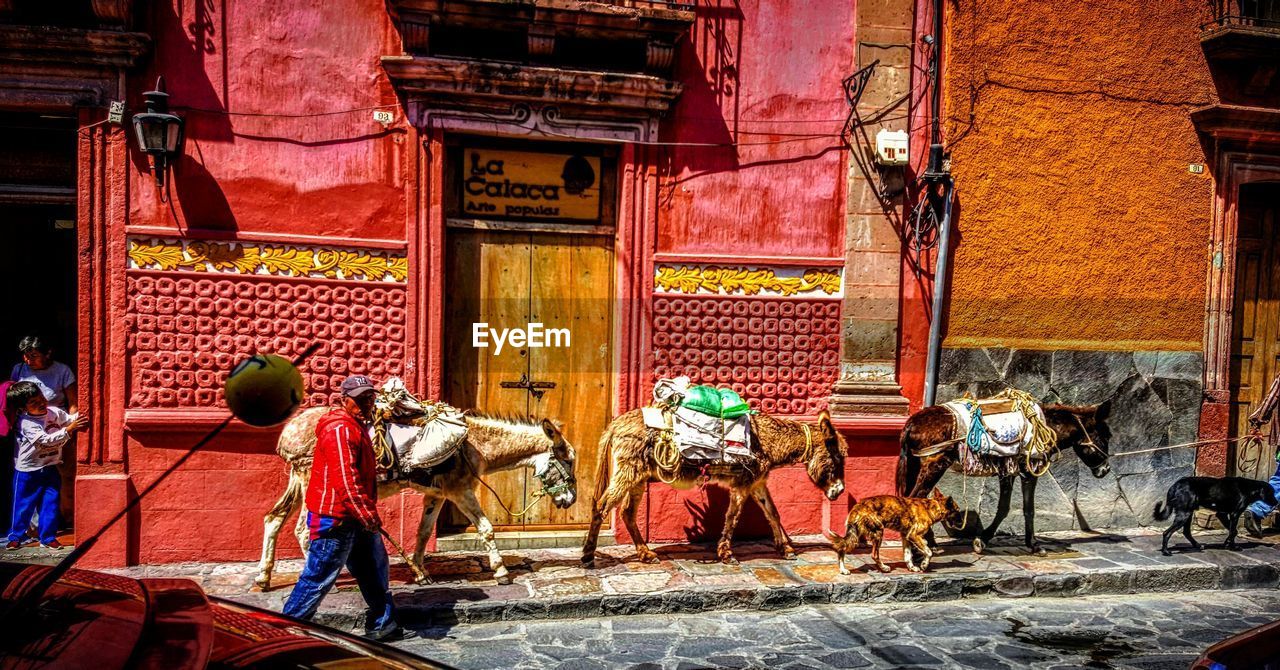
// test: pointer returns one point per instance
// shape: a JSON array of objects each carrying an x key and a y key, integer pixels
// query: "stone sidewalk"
[{"x": 551, "y": 583}]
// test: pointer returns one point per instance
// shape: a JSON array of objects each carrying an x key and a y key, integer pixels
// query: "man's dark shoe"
[
  {"x": 53, "y": 544},
  {"x": 13, "y": 545},
  {"x": 1251, "y": 526},
  {"x": 400, "y": 634},
  {"x": 391, "y": 632}
]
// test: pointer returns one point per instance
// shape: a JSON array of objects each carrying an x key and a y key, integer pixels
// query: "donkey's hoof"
[
  {"x": 728, "y": 559},
  {"x": 1038, "y": 550},
  {"x": 790, "y": 555},
  {"x": 263, "y": 583},
  {"x": 503, "y": 578},
  {"x": 978, "y": 545},
  {"x": 589, "y": 561}
]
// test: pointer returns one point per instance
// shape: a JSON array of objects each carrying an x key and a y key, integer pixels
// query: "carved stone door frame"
[
  {"x": 1235, "y": 168},
  {"x": 635, "y": 238}
]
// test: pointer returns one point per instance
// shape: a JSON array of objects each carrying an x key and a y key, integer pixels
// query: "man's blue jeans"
[
  {"x": 1261, "y": 509},
  {"x": 365, "y": 557}
]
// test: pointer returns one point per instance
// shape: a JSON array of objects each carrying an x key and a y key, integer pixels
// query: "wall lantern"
[{"x": 159, "y": 132}]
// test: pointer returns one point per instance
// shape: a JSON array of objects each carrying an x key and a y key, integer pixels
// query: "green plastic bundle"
[{"x": 722, "y": 403}]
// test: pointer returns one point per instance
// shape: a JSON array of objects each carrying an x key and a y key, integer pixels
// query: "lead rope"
[
  {"x": 666, "y": 455},
  {"x": 383, "y": 457},
  {"x": 539, "y": 495}
]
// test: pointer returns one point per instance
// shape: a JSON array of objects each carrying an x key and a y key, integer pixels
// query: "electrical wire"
[
  {"x": 288, "y": 116},
  {"x": 656, "y": 143}
]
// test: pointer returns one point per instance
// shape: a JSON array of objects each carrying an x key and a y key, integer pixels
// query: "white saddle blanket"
[
  {"x": 428, "y": 445},
  {"x": 701, "y": 437},
  {"x": 1005, "y": 434}
]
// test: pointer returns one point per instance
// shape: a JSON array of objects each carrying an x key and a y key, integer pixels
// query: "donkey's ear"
[
  {"x": 552, "y": 431},
  {"x": 824, "y": 422},
  {"x": 1102, "y": 411}
]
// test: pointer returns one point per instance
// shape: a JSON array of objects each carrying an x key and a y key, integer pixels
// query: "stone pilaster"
[{"x": 873, "y": 251}]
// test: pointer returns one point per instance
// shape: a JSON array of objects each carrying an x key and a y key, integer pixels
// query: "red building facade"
[{"x": 724, "y": 234}]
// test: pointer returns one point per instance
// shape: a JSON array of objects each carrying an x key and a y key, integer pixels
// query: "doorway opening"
[
  {"x": 1255, "y": 321},
  {"x": 530, "y": 247},
  {"x": 38, "y": 261}
]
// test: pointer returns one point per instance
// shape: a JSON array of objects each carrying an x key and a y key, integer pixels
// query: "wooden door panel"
[
  {"x": 510, "y": 280},
  {"x": 487, "y": 281},
  {"x": 1255, "y": 358},
  {"x": 572, "y": 288}
]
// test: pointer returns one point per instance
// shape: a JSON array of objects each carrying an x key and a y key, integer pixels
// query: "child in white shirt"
[{"x": 40, "y": 434}]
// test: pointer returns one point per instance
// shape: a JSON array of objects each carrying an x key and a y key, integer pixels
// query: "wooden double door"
[
  {"x": 510, "y": 279},
  {"x": 1255, "y": 352}
]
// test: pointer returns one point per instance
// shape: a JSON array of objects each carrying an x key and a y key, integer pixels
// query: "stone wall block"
[
  {"x": 1139, "y": 421},
  {"x": 1029, "y": 371},
  {"x": 1145, "y": 362},
  {"x": 1088, "y": 377},
  {"x": 966, "y": 365},
  {"x": 1184, "y": 399},
  {"x": 1188, "y": 365},
  {"x": 1000, "y": 358}
]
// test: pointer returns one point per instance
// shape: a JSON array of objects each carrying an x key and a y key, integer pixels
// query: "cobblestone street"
[{"x": 1149, "y": 632}]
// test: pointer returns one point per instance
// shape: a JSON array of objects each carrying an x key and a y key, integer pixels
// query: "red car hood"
[{"x": 92, "y": 619}]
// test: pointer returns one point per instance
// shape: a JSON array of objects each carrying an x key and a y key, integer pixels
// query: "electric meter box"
[{"x": 892, "y": 147}]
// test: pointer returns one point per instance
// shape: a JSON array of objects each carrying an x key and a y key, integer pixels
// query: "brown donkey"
[
  {"x": 629, "y": 446},
  {"x": 933, "y": 429}
]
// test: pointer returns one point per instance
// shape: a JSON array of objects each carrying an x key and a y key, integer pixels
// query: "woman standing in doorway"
[
  {"x": 57, "y": 383},
  {"x": 56, "y": 380}
]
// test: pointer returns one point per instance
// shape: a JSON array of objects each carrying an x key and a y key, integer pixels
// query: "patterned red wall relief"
[
  {"x": 783, "y": 355},
  {"x": 186, "y": 332}
]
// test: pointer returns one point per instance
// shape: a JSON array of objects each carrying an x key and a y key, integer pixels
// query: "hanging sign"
[{"x": 529, "y": 185}]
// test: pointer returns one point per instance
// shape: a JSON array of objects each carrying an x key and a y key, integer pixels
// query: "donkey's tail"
[
  {"x": 1161, "y": 512},
  {"x": 908, "y": 465},
  {"x": 605, "y": 456},
  {"x": 292, "y": 494}
]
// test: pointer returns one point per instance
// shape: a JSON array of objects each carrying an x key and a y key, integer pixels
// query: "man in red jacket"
[{"x": 342, "y": 514}]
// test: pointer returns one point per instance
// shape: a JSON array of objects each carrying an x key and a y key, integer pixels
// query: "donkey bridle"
[
  {"x": 1088, "y": 441},
  {"x": 566, "y": 478}
]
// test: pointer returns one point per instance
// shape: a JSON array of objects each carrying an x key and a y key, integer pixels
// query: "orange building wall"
[{"x": 1080, "y": 224}]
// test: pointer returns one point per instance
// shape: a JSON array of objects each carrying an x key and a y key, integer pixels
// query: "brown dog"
[{"x": 913, "y": 517}]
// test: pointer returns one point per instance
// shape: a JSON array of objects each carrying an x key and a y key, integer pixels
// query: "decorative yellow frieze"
[
  {"x": 747, "y": 281},
  {"x": 266, "y": 259}
]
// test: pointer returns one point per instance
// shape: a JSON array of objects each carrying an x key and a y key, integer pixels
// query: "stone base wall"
[{"x": 1155, "y": 396}]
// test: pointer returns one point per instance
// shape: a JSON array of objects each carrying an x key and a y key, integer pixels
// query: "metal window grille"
[{"x": 1260, "y": 13}]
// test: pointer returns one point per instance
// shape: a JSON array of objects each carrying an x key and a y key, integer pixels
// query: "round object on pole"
[{"x": 264, "y": 390}]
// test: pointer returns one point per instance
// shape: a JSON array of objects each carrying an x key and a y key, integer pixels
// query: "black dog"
[{"x": 1228, "y": 496}]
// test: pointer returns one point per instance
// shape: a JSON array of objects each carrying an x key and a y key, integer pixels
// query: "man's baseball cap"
[{"x": 356, "y": 386}]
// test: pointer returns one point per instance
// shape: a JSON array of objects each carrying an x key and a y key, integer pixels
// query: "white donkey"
[{"x": 492, "y": 444}]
